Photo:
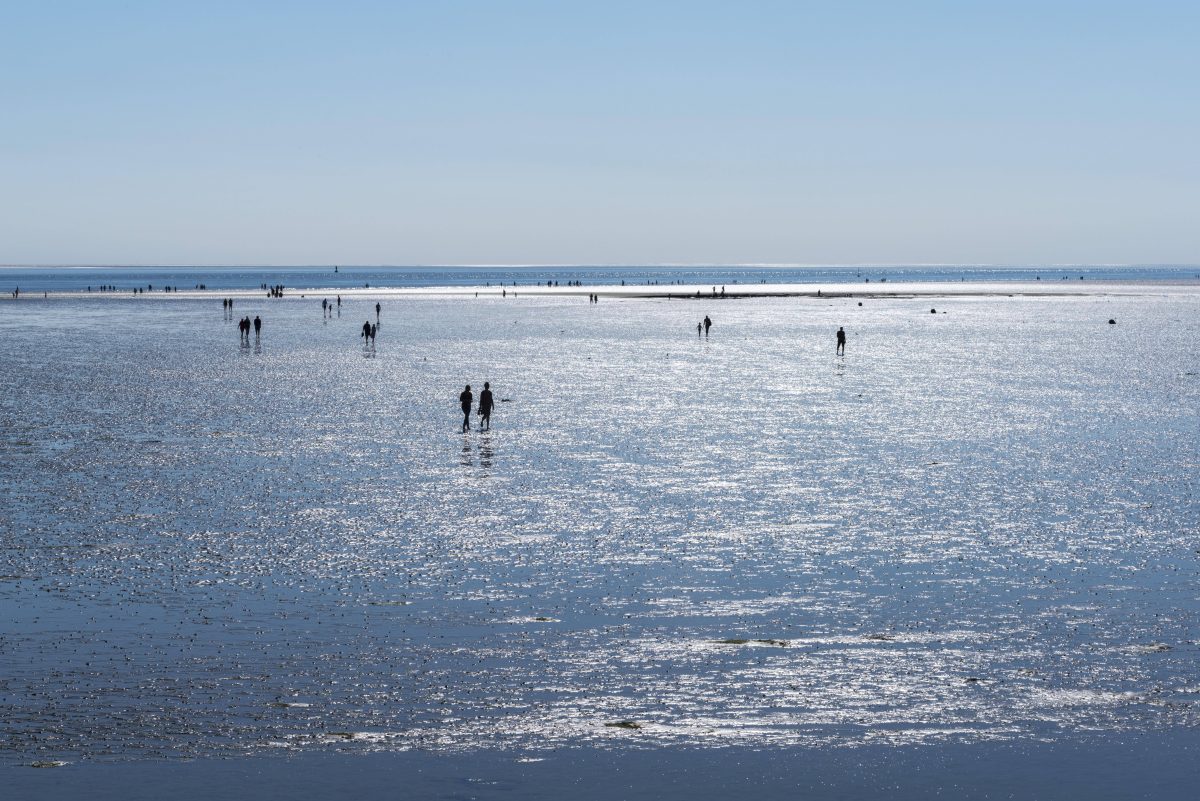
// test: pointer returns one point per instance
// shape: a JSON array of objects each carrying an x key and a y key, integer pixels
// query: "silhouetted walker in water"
[
  {"x": 366, "y": 332},
  {"x": 707, "y": 325},
  {"x": 257, "y": 326},
  {"x": 377, "y": 307},
  {"x": 371, "y": 335},
  {"x": 699, "y": 330},
  {"x": 485, "y": 407},
  {"x": 464, "y": 400},
  {"x": 841, "y": 342}
]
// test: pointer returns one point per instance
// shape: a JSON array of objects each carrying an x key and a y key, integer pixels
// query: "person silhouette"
[
  {"x": 366, "y": 332},
  {"x": 377, "y": 307},
  {"x": 707, "y": 325},
  {"x": 464, "y": 400},
  {"x": 257, "y": 326},
  {"x": 699, "y": 329},
  {"x": 841, "y": 342},
  {"x": 324, "y": 308},
  {"x": 485, "y": 407},
  {"x": 371, "y": 335}
]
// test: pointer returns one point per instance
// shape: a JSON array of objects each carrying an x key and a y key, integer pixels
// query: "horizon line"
[{"x": 595, "y": 265}]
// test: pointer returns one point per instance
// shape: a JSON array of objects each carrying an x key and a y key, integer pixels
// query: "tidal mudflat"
[{"x": 975, "y": 534}]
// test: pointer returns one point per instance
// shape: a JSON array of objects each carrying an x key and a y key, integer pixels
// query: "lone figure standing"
[
  {"x": 707, "y": 325},
  {"x": 485, "y": 407},
  {"x": 464, "y": 400},
  {"x": 841, "y": 342}
]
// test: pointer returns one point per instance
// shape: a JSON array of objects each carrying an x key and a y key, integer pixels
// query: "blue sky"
[{"x": 556, "y": 132}]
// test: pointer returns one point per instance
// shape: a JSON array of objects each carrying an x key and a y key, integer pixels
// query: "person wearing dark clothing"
[
  {"x": 707, "y": 324},
  {"x": 464, "y": 400},
  {"x": 377, "y": 307},
  {"x": 485, "y": 407},
  {"x": 841, "y": 342},
  {"x": 366, "y": 332},
  {"x": 371, "y": 335},
  {"x": 257, "y": 326}
]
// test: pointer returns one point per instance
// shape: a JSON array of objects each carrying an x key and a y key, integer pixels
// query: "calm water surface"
[{"x": 979, "y": 525}]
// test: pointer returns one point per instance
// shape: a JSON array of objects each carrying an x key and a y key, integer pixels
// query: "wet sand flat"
[{"x": 974, "y": 534}]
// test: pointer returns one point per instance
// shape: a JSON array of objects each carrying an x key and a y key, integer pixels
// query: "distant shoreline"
[{"x": 865, "y": 291}]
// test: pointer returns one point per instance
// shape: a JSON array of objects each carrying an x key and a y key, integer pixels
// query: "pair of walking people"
[
  {"x": 244, "y": 326},
  {"x": 466, "y": 398}
]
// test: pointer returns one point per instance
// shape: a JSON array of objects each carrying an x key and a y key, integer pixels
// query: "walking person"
[
  {"x": 485, "y": 407},
  {"x": 366, "y": 333},
  {"x": 324, "y": 308},
  {"x": 841, "y": 342},
  {"x": 377, "y": 308},
  {"x": 464, "y": 400},
  {"x": 707, "y": 325},
  {"x": 257, "y": 327},
  {"x": 699, "y": 330}
]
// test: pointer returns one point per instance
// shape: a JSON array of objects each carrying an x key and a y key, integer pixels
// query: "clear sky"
[{"x": 599, "y": 132}]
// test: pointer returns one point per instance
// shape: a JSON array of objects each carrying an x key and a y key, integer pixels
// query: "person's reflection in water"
[{"x": 486, "y": 452}]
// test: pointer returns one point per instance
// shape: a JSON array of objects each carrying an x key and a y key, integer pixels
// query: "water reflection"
[{"x": 309, "y": 559}]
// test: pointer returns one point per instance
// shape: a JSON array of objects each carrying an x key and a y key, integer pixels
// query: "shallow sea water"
[{"x": 979, "y": 525}]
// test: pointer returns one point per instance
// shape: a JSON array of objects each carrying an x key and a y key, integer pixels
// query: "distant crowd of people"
[
  {"x": 139, "y": 290},
  {"x": 466, "y": 398}
]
